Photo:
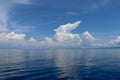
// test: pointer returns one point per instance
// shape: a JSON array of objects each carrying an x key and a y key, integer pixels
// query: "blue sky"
[{"x": 38, "y": 19}]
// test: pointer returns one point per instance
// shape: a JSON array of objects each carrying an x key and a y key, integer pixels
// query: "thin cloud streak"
[{"x": 6, "y": 7}]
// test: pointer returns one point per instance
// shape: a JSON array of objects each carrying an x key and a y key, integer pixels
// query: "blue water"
[{"x": 70, "y": 64}]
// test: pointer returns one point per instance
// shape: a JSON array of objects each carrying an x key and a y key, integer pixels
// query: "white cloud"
[
  {"x": 88, "y": 36},
  {"x": 116, "y": 41},
  {"x": 67, "y": 28},
  {"x": 12, "y": 36},
  {"x": 65, "y": 37},
  {"x": 32, "y": 39},
  {"x": 6, "y": 6},
  {"x": 4, "y": 10},
  {"x": 14, "y": 40},
  {"x": 48, "y": 42},
  {"x": 62, "y": 38}
]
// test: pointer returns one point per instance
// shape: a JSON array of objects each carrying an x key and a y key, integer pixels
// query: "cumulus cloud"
[
  {"x": 15, "y": 40},
  {"x": 12, "y": 36},
  {"x": 48, "y": 42},
  {"x": 32, "y": 39},
  {"x": 116, "y": 41},
  {"x": 64, "y": 36},
  {"x": 88, "y": 36}
]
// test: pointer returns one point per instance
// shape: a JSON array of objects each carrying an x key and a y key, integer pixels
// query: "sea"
[{"x": 60, "y": 64}]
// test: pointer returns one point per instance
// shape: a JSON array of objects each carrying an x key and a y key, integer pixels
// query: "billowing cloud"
[
  {"x": 65, "y": 38},
  {"x": 15, "y": 40},
  {"x": 88, "y": 36},
  {"x": 62, "y": 38},
  {"x": 12, "y": 36},
  {"x": 64, "y": 35}
]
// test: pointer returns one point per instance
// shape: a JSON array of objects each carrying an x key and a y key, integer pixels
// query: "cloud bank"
[
  {"x": 63, "y": 38},
  {"x": 12, "y": 36}
]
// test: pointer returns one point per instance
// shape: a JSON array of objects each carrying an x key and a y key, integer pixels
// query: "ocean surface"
[{"x": 67, "y": 64}]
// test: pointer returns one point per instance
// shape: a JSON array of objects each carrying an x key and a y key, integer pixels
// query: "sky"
[{"x": 59, "y": 23}]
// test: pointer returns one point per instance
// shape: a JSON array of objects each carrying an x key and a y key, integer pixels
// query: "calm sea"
[{"x": 69, "y": 64}]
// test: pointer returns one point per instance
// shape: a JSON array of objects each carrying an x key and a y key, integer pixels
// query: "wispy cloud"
[
  {"x": 87, "y": 6},
  {"x": 4, "y": 10},
  {"x": 22, "y": 1},
  {"x": 100, "y": 4},
  {"x": 15, "y": 27},
  {"x": 72, "y": 13},
  {"x": 93, "y": 5},
  {"x": 6, "y": 7}
]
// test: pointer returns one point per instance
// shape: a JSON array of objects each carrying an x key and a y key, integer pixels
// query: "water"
[{"x": 74, "y": 64}]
